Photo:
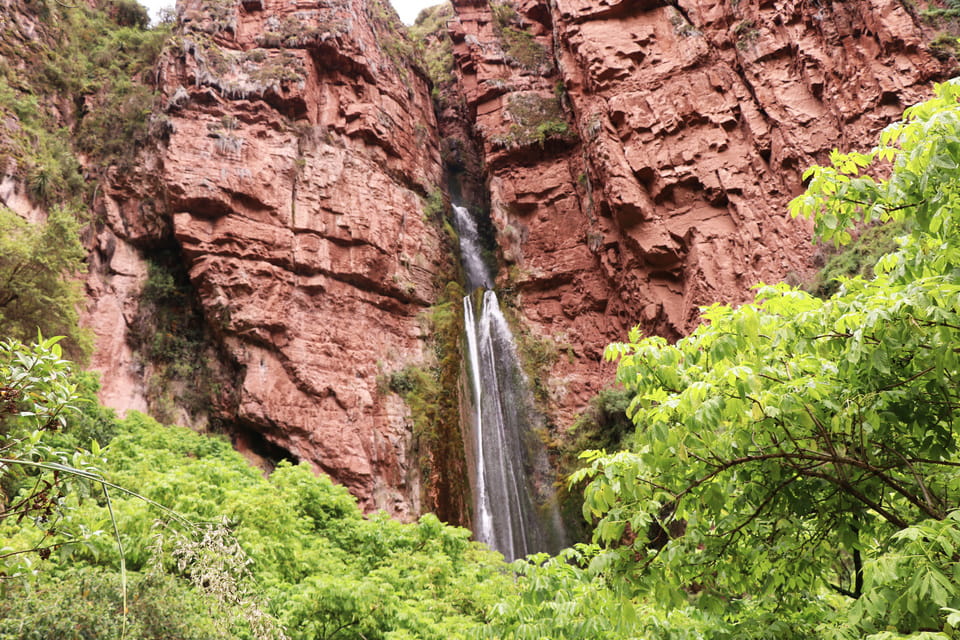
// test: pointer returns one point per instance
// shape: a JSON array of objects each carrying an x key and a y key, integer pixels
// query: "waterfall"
[
  {"x": 509, "y": 514},
  {"x": 471, "y": 251}
]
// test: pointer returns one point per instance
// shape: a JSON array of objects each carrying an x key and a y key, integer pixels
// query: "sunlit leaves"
[
  {"x": 320, "y": 564},
  {"x": 922, "y": 188},
  {"x": 795, "y": 447},
  {"x": 38, "y": 482}
]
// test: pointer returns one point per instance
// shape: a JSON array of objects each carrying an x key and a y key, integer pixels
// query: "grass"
[
  {"x": 856, "y": 259},
  {"x": 537, "y": 119}
]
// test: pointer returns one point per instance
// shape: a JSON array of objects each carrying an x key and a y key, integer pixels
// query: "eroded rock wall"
[
  {"x": 689, "y": 127},
  {"x": 636, "y": 159},
  {"x": 299, "y": 146}
]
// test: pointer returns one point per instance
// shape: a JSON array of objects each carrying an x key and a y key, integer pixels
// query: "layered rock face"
[
  {"x": 295, "y": 177},
  {"x": 641, "y": 154},
  {"x": 636, "y": 158},
  {"x": 299, "y": 148}
]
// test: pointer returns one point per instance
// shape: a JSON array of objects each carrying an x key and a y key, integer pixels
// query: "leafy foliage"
[
  {"x": 797, "y": 456},
  {"x": 37, "y": 264},
  {"x": 603, "y": 424},
  {"x": 44, "y": 515},
  {"x": 85, "y": 602},
  {"x": 97, "y": 59},
  {"x": 294, "y": 546},
  {"x": 856, "y": 258},
  {"x": 320, "y": 565},
  {"x": 38, "y": 480},
  {"x": 429, "y": 32}
]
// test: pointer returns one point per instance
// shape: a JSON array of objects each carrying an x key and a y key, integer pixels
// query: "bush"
[
  {"x": 519, "y": 45},
  {"x": 537, "y": 120},
  {"x": 86, "y": 603},
  {"x": 856, "y": 259},
  {"x": 129, "y": 13},
  {"x": 37, "y": 292}
]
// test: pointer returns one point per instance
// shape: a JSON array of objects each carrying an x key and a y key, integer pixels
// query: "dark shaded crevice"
[
  {"x": 256, "y": 447},
  {"x": 184, "y": 365}
]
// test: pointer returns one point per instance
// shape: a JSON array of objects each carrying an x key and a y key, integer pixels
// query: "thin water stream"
[{"x": 508, "y": 515}]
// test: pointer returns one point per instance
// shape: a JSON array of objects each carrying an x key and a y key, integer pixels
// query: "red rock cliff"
[
  {"x": 300, "y": 145},
  {"x": 637, "y": 158},
  {"x": 640, "y": 154}
]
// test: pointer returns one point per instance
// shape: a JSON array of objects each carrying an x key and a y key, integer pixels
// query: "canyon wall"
[
  {"x": 636, "y": 159},
  {"x": 640, "y": 154},
  {"x": 299, "y": 146}
]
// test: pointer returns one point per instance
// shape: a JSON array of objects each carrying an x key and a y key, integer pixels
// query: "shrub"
[
  {"x": 537, "y": 119},
  {"x": 129, "y": 13},
  {"x": 856, "y": 259},
  {"x": 944, "y": 46},
  {"x": 86, "y": 603},
  {"x": 519, "y": 45},
  {"x": 37, "y": 289}
]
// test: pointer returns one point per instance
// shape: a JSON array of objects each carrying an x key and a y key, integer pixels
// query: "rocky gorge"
[{"x": 634, "y": 160}]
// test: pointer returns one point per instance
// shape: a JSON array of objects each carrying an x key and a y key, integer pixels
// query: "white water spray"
[{"x": 506, "y": 451}]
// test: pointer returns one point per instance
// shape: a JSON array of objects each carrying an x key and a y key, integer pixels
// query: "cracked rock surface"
[{"x": 693, "y": 122}]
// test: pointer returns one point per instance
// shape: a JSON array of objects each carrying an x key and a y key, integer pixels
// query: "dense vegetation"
[
  {"x": 791, "y": 470},
  {"x": 68, "y": 86},
  {"x": 242, "y": 555},
  {"x": 36, "y": 261},
  {"x": 817, "y": 489}
]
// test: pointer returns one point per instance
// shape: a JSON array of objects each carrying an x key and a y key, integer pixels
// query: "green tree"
[
  {"x": 56, "y": 506},
  {"x": 796, "y": 457},
  {"x": 36, "y": 396},
  {"x": 38, "y": 289}
]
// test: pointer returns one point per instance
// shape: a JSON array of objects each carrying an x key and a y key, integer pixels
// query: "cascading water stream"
[{"x": 505, "y": 516}]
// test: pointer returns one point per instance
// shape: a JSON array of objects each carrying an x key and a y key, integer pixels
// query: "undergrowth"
[{"x": 855, "y": 259}]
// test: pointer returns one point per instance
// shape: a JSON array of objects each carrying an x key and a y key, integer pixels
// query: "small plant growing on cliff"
[
  {"x": 434, "y": 205},
  {"x": 537, "y": 119},
  {"x": 242, "y": 75},
  {"x": 211, "y": 17},
  {"x": 431, "y": 394},
  {"x": 947, "y": 11},
  {"x": 523, "y": 50},
  {"x": 945, "y": 46},
  {"x": 171, "y": 336},
  {"x": 121, "y": 127},
  {"x": 681, "y": 26},
  {"x": 503, "y": 14},
  {"x": 519, "y": 45},
  {"x": 129, "y": 13},
  {"x": 746, "y": 33},
  {"x": 392, "y": 38},
  {"x": 855, "y": 259},
  {"x": 229, "y": 145}
]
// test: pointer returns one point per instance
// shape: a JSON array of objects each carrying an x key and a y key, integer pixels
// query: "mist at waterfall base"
[{"x": 513, "y": 514}]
